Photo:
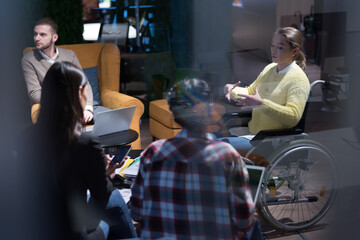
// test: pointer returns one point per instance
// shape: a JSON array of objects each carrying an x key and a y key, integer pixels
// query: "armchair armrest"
[
  {"x": 35, "y": 110},
  {"x": 113, "y": 100},
  {"x": 245, "y": 113}
]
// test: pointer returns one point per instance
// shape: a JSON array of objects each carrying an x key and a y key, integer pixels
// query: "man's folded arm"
[{"x": 32, "y": 81}]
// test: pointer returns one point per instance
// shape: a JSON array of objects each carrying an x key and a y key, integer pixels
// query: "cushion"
[
  {"x": 159, "y": 110},
  {"x": 163, "y": 125},
  {"x": 160, "y": 131},
  {"x": 92, "y": 76}
]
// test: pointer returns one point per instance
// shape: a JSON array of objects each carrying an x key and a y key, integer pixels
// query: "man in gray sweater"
[{"x": 36, "y": 63}]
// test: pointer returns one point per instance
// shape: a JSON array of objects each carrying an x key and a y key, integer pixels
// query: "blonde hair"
[{"x": 295, "y": 39}]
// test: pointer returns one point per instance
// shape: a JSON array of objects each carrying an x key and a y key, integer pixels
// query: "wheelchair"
[{"x": 299, "y": 184}]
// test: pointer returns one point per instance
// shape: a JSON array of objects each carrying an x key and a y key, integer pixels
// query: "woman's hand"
[
  {"x": 251, "y": 101},
  {"x": 228, "y": 88},
  {"x": 110, "y": 169}
]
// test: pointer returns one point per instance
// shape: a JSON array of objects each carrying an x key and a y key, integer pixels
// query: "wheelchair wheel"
[{"x": 299, "y": 185}]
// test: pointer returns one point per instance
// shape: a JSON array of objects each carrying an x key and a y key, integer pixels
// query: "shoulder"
[
  {"x": 299, "y": 75},
  {"x": 187, "y": 148},
  {"x": 89, "y": 145},
  {"x": 267, "y": 70},
  {"x": 66, "y": 52},
  {"x": 89, "y": 140},
  {"x": 269, "y": 67},
  {"x": 88, "y": 151},
  {"x": 221, "y": 150},
  {"x": 31, "y": 56},
  {"x": 69, "y": 56},
  {"x": 154, "y": 148},
  {"x": 298, "y": 71}
]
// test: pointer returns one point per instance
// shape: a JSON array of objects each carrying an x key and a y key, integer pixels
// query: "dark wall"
[
  {"x": 181, "y": 31},
  {"x": 16, "y": 33}
]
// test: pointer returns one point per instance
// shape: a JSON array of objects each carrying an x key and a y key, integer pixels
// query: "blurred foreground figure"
[{"x": 190, "y": 187}]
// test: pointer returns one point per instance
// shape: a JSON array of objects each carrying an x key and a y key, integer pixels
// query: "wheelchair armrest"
[
  {"x": 245, "y": 113},
  {"x": 274, "y": 133}
]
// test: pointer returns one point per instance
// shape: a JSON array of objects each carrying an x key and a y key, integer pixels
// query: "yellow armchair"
[{"x": 106, "y": 56}]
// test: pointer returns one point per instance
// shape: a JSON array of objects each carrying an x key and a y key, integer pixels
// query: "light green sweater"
[{"x": 284, "y": 94}]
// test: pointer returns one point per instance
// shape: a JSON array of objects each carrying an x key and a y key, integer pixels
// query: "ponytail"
[{"x": 301, "y": 60}]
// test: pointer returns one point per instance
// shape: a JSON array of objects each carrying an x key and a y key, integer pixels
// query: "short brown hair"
[{"x": 48, "y": 21}]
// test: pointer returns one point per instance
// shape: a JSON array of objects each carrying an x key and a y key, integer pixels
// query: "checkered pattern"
[{"x": 192, "y": 188}]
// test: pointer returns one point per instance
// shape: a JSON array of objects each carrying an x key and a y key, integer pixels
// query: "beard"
[{"x": 45, "y": 45}]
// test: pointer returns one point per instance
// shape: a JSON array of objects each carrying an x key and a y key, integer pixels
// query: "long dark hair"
[
  {"x": 295, "y": 39},
  {"x": 61, "y": 109}
]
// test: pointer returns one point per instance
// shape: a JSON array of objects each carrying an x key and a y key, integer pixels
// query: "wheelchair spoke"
[{"x": 304, "y": 180}]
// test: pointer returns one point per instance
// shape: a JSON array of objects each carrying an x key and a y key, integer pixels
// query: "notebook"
[
  {"x": 112, "y": 121},
  {"x": 256, "y": 174}
]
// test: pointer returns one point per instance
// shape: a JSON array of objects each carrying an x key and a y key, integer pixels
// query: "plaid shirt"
[{"x": 192, "y": 188}]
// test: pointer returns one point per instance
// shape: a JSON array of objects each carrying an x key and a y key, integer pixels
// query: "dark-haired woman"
[{"x": 65, "y": 164}]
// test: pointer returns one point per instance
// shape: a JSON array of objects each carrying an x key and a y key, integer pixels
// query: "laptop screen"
[
  {"x": 91, "y": 31},
  {"x": 116, "y": 33},
  {"x": 256, "y": 174},
  {"x": 111, "y": 121}
]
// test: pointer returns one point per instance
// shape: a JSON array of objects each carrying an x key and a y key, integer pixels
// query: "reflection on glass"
[{"x": 238, "y": 3}]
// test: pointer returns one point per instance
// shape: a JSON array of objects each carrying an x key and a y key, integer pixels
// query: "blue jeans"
[
  {"x": 259, "y": 155},
  {"x": 116, "y": 222},
  {"x": 256, "y": 232},
  {"x": 239, "y": 143}
]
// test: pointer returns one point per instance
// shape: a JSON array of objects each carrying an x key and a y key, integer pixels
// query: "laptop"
[
  {"x": 256, "y": 175},
  {"x": 91, "y": 31},
  {"x": 111, "y": 121},
  {"x": 116, "y": 33}
]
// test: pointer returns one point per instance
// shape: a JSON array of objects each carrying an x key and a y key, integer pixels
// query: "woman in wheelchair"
[
  {"x": 279, "y": 94},
  {"x": 299, "y": 183}
]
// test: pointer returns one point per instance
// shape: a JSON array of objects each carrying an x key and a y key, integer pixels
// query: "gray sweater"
[{"x": 35, "y": 67}]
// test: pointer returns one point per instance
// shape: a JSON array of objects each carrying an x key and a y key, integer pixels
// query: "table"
[{"x": 118, "y": 138}]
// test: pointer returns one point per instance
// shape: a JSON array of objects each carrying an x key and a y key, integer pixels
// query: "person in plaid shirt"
[{"x": 190, "y": 187}]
